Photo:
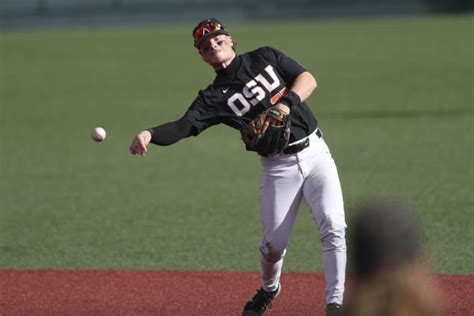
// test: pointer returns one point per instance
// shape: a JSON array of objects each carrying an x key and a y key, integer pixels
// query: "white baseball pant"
[{"x": 310, "y": 174}]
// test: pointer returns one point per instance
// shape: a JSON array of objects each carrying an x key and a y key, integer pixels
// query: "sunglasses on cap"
[{"x": 206, "y": 28}]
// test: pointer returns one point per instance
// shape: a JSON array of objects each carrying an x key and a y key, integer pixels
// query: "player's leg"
[
  {"x": 280, "y": 197},
  {"x": 322, "y": 192}
]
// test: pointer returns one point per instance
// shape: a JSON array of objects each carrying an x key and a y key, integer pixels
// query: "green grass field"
[{"x": 395, "y": 101}]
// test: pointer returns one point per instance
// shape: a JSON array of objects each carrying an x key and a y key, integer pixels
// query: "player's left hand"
[
  {"x": 277, "y": 132},
  {"x": 273, "y": 121},
  {"x": 140, "y": 143}
]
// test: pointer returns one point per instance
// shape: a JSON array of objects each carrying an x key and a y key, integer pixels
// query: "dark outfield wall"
[{"x": 33, "y": 13}]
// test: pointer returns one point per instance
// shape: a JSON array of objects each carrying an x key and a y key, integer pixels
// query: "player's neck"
[{"x": 224, "y": 64}]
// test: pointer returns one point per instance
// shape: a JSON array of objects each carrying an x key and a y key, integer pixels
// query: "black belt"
[{"x": 293, "y": 149}]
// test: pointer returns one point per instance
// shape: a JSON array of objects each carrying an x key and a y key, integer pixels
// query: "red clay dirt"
[{"x": 79, "y": 292}]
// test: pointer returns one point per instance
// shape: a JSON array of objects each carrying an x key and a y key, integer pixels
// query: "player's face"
[{"x": 217, "y": 50}]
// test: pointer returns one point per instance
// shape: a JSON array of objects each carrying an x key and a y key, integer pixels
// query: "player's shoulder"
[
  {"x": 213, "y": 88},
  {"x": 207, "y": 92},
  {"x": 265, "y": 52}
]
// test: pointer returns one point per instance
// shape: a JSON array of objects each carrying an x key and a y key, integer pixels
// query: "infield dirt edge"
[{"x": 117, "y": 292}]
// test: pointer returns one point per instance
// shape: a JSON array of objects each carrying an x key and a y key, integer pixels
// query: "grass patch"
[{"x": 394, "y": 101}]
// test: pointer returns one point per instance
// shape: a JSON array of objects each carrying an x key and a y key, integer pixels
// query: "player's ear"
[{"x": 232, "y": 43}]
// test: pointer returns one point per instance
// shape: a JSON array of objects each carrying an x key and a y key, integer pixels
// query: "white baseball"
[{"x": 98, "y": 134}]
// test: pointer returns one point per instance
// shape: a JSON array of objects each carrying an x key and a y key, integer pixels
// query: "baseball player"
[{"x": 245, "y": 86}]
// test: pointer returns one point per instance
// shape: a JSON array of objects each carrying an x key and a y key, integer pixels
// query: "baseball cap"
[{"x": 206, "y": 28}]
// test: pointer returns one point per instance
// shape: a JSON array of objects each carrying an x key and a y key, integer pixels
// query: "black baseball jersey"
[{"x": 253, "y": 82}]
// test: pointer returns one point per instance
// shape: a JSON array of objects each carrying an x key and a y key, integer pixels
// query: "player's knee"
[
  {"x": 332, "y": 232},
  {"x": 271, "y": 253},
  {"x": 330, "y": 218},
  {"x": 334, "y": 239}
]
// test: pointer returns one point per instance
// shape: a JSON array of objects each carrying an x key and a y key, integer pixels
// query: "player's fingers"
[
  {"x": 143, "y": 145},
  {"x": 266, "y": 124},
  {"x": 277, "y": 122},
  {"x": 139, "y": 151},
  {"x": 136, "y": 147},
  {"x": 132, "y": 148},
  {"x": 134, "y": 151}
]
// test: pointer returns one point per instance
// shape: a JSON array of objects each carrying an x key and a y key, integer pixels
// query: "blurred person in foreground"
[
  {"x": 246, "y": 85},
  {"x": 391, "y": 277}
]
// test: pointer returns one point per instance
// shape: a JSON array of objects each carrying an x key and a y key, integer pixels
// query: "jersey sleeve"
[
  {"x": 170, "y": 133},
  {"x": 287, "y": 67},
  {"x": 201, "y": 114}
]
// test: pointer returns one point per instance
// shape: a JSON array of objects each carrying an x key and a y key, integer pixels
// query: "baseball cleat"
[
  {"x": 260, "y": 302},
  {"x": 333, "y": 309}
]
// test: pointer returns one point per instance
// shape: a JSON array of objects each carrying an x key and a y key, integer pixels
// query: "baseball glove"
[{"x": 274, "y": 140}]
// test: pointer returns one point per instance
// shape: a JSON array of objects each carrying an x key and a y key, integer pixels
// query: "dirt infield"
[{"x": 45, "y": 292}]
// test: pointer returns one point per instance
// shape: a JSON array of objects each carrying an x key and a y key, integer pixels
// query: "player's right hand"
[
  {"x": 140, "y": 143},
  {"x": 284, "y": 109}
]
